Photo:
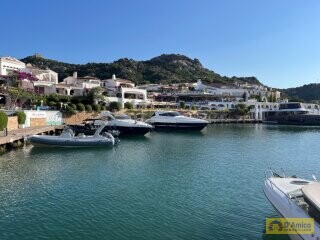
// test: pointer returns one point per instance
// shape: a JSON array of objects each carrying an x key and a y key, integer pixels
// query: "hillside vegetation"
[
  {"x": 306, "y": 93},
  {"x": 166, "y": 68}
]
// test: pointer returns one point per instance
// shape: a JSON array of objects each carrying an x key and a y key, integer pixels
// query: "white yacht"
[
  {"x": 293, "y": 113},
  {"x": 174, "y": 120},
  {"x": 124, "y": 124},
  {"x": 295, "y": 197},
  {"x": 121, "y": 123}
]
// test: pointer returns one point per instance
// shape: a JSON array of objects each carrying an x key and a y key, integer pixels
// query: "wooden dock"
[{"x": 17, "y": 137}]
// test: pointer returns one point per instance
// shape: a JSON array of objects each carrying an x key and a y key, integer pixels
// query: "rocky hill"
[
  {"x": 306, "y": 93},
  {"x": 167, "y": 68}
]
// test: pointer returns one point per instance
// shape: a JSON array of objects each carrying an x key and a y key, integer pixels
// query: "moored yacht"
[
  {"x": 121, "y": 123},
  {"x": 294, "y": 113},
  {"x": 295, "y": 197},
  {"x": 174, "y": 120}
]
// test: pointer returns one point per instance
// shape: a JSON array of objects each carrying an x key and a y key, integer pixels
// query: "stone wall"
[
  {"x": 78, "y": 117},
  {"x": 12, "y": 123}
]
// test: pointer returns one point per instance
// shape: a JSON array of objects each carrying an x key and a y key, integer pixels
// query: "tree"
[
  {"x": 3, "y": 120},
  {"x": 52, "y": 104},
  {"x": 96, "y": 107},
  {"x": 88, "y": 108},
  {"x": 73, "y": 106},
  {"x": 80, "y": 107},
  {"x": 245, "y": 96},
  {"x": 182, "y": 105},
  {"x": 71, "y": 110},
  {"x": 242, "y": 109},
  {"x": 115, "y": 106},
  {"x": 21, "y": 117},
  {"x": 96, "y": 94},
  {"x": 128, "y": 105}
]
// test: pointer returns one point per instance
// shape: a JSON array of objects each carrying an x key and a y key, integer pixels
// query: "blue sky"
[{"x": 278, "y": 41}]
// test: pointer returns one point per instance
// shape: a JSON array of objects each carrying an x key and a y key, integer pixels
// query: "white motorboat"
[
  {"x": 67, "y": 139},
  {"x": 174, "y": 120},
  {"x": 122, "y": 123},
  {"x": 295, "y": 197}
]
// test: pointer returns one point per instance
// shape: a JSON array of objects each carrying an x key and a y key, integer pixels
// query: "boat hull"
[
  {"x": 300, "y": 120},
  {"x": 130, "y": 130},
  {"x": 55, "y": 142},
  {"x": 179, "y": 126},
  {"x": 280, "y": 203},
  {"x": 122, "y": 130}
]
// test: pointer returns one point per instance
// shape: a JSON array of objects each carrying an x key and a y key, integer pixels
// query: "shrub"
[
  {"x": 70, "y": 110},
  {"x": 242, "y": 109},
  {"x": 103, "y": 108},
  {"x": 58, "y": 105},
  {"x": 183, "y": 105},
  {"x": 193, "y": 107},
  {"x": 88, "y": 108},
  {"x": 21, "y": 117},
  {"x": 72, "y": 105},
  {"x": 115, "y": 106},
  {"x": 52, "y": 104},
  {"x": 128, "y": 105},
  {"x": 80, "y": 107},
  {"x": 96, "y": 107},
  {"x": 3, "y": 120}
]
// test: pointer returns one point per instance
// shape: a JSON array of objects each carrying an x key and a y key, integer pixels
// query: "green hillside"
[
  {"x": 167, "y": 68},
  {"x": 306, "y": 93}
]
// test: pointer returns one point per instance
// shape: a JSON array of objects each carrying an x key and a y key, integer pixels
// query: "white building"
[
  {"x": 132, "y": 95},
  {"x": 123, "y": 91},
  {"x": 77, "y": 86},
  {"x": 116, "y": 83},
  {"x": 151, "y": 87},
  {"x": 220, "y": 91},
  {"x": 47, "y": 79},
  {"x": 10, "y": 64}
]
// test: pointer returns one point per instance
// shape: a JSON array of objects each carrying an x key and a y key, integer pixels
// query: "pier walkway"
[{"x": 17, "y": 137}]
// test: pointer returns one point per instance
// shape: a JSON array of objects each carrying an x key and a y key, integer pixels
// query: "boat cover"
[{"x": 312, "y": 193}]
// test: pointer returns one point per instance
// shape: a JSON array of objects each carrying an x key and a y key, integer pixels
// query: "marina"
[
  {"x": 165, "y": 185},
  {"x": 160, "y": 120}
]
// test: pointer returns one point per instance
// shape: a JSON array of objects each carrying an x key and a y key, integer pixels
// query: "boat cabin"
[{"x": 166, "y": 114}]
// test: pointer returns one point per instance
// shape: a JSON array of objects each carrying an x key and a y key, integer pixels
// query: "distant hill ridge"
[
  {"x": 165, "y": 69},
  {"x": 307, "y": 93}
]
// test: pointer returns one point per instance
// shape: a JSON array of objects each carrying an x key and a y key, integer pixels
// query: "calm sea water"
[{"x": 164, "y": 186}]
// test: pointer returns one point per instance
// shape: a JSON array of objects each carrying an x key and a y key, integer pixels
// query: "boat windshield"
[
  {"x": 120, "y": 117},
  {"x": 170, "y": 114}
]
